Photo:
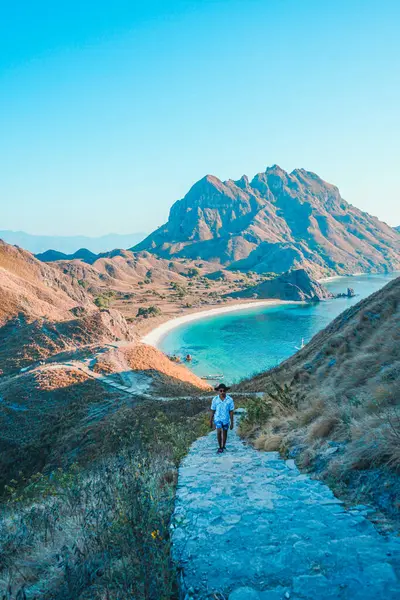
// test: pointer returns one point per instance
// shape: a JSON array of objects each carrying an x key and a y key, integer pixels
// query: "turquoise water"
[{"x": 248, "y": 341}]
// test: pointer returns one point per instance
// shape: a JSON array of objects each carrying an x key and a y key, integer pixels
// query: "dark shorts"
[{"x": 221, "y": 425}]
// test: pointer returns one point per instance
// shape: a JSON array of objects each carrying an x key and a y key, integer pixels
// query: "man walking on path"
[{"x": 222, "y": 408}]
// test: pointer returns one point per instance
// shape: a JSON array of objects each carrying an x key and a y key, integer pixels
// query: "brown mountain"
[
  {"x": 48, "y": 312},
  {"x": 45, "y": 311},
  {"x": 34, "y": 289},
  {"x": 276, "y": 222}
]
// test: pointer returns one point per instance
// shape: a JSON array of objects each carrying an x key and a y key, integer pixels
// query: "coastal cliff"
[{"x": 296, "y": 285}]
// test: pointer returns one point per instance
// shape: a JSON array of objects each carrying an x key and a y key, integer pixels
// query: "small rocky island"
[{"x": 349, "y": 294}]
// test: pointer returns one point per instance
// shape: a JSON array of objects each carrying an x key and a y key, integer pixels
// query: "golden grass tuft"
[
  {"x": 309, "y": 414},
  {"x": 270, "y": 442},
  {"x": 323, "y": 427}
]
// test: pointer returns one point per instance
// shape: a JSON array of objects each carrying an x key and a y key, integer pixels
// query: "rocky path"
[{"x": 249, "y": 526}]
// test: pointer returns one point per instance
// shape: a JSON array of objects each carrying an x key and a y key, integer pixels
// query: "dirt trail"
[{"x": 135, "y": 383}]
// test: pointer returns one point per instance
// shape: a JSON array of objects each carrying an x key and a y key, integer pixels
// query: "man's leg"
[
  {"x": 219, "y": 437},
  {"x": 224, "y": 437}
]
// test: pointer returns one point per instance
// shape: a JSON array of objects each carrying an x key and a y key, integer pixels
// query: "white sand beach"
[
  {"x": 331, "y": 278},
  {"x": 153, "y": 337}
]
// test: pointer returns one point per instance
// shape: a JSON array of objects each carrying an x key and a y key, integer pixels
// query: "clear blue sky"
[{"x": 111, "y": 110}]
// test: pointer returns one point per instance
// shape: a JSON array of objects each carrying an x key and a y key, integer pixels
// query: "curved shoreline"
[{"x": 153, "y": 337}]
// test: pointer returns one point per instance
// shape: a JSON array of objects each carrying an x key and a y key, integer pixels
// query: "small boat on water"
[
  {"x": 220, "y": 376},
  {"x": 301, "y": 346}
]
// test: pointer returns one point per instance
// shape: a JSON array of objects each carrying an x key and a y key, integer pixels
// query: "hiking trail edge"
[{"x": 249, "y": 526}]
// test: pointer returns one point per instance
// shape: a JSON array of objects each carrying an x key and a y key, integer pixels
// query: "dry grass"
[
  {"x": 23, "y": 344},
  {"x": 95, "y": 524},
  {"x": 168, "y": 379},
  {"x": 308, "y": 415},
  {"x": 40, "y": 409},
  {"x": 169, "y": 376},
  {"x": 268, "y": 441},
  {"x": 322, "y": 427},
  {"x": 49, "y": 379},
  {"x": 338, "y": 403}
]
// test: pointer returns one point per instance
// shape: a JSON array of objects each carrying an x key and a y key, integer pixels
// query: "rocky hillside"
[
  {"x": 273, "y": 223},
  {"x": 33, "y": 289},
  {"x": 296, "y": 285},
  {"x": 45, "y": 311},
  {"x": 127, "y": 281},
  {"x": 56, "y": 346},
  {"x": 80, "y": 403},
  {"x": 121, "y": 269},
  {"x": 335, "y": 405}
]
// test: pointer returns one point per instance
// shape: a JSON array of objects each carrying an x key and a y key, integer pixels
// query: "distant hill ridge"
[
  {"x": 81, "y": 254},
  {"x": 273, "y": 223},
  {"x": 69, "y": 244}
]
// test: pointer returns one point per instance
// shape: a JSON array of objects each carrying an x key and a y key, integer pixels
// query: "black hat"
[{"x": 222, "y": 386}]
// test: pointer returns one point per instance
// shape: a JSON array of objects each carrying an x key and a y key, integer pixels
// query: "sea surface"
[{"x": 242, "y": 343}]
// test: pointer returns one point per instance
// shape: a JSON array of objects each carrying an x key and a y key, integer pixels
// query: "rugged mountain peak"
[
  {"x": 300, "y": 172},
  {"x": 309, "y": 178},
  {"x": 243, "y": 182},
  {"x": 276, "y": 170},
  {"x": 207, "y": 185},
  {"x": 276, "y": 178},
  {"x": 271, "y": 181},
  {"x": 212, "y": 179},
  {"x": 276, "y": 222}
]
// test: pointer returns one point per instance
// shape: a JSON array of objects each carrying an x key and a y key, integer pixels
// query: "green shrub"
[
  {"x": 151, "y": 311},
  {"x": 259, "y": 411},
  {"x": 102, "y": 301},
  {"x": 193, "y": 272},
  {"x": 179, "y": 289}
]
